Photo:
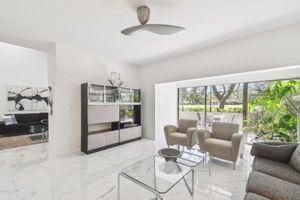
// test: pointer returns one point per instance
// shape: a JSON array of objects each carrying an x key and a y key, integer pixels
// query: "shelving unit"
[{"x": 111, "y": 116}]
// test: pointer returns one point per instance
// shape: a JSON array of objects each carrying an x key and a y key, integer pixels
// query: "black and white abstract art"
[{"x": 22, "y": 98}]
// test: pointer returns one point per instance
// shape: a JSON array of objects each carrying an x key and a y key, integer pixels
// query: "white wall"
[
  {"x": 20, "y": 66},
  {"x": 278, "y": 48},
  {"x": 70, "y": 68},
  {"x": 287, "y": 72},
  {"x": 165, "y": 109}
]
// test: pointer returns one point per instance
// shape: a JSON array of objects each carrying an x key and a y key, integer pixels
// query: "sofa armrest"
[
  {"x": 238, "y": 142},
  {"x": 202, "y": 136},
  {"x": 271, "y": 187},
  {"x": 277, "y": 151},
  {"x": 2, "y": 126}
]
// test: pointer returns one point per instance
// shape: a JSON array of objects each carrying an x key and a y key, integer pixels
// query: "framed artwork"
[{"x": 24, "y": 98}]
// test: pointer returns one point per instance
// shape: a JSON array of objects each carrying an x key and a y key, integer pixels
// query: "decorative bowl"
[{"x": 170, "y": 154}]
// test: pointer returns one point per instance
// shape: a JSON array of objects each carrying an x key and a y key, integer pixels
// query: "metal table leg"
[
  {"x": 191, "y": 190},
  {"x": 209, "y": 164},
  {"x": 157, "y": 194},
  {"x": 118, "y": 186}
]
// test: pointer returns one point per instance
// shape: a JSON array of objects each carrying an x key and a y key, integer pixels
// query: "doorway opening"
[{"x": 24, "y": 96}]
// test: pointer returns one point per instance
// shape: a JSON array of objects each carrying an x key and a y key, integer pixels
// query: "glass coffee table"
[
  {"x": 192, "y": 157},
  {"x": 159, "y": 176}
]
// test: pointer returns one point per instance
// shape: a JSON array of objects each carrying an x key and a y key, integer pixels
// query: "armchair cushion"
[
  {"x": 274, "y": 151},
  {"x": 295, "y": 160},
  {"x": 224, "y": 130},
  {"x": 184, "y": 124},
  {"x": 218, "y": 148},
  {"x": 177, "y": 138}
]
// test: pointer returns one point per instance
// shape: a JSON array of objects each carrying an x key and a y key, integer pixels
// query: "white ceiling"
[{"x": 95, "y": 25}]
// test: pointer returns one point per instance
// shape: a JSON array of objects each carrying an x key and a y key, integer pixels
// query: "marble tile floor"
[{"x": 30, "y": 173}]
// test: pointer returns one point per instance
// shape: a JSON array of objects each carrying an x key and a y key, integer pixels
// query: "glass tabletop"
[
  {"x": 192, "y": 157},
  {"x": 156, "y": 173}
]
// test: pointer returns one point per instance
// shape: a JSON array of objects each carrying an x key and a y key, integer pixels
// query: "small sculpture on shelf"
[{"x": 115, "y": 79}]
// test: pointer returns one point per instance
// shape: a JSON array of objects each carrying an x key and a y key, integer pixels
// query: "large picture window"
[{"x": 265, "y": 110}]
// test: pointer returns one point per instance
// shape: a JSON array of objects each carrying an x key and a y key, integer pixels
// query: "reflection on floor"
[
  {"x": 21, "y": 140},
  {"x": 31, "y": 173}
]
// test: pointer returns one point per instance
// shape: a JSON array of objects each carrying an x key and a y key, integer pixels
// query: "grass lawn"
[{"x": 215, "y": 108}]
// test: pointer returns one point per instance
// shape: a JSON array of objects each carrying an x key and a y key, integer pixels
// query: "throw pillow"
[
  {"x": 9, "y": 119},
  {"x": 277, "y": 151},
  {"x": 295, "y": 159}
]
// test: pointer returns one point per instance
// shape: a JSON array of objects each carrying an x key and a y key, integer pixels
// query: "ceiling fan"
[{"x": 143, "y": 14}]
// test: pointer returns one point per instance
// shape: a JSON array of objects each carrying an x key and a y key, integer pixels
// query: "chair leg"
[{"x": 233, "y": 165}]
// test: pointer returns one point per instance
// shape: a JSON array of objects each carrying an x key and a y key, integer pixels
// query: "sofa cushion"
[
  {"x": 295, "y": 159},
  {"x": 43, "y": 116},
  {"x": 16, "y": 128},
  {"x": 19, "y": 118},
  {"x": 10, "y": 120},
  {"x": 34, "y": 117},
  {"x": 274, "y": 151},
  {"x": 219, "y": 148},
  {"x": 253, "y": 196},
  {"x": 276, "y": 169},
  {"x": 271, "y": 187},
  {"x": 32, "y": 124},
  {"x": 178, "y": 138}
]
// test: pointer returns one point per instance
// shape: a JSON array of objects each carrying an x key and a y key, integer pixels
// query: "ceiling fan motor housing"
[{"x": 143, "y": 14}]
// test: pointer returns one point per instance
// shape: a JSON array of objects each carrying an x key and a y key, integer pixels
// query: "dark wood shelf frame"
[{"x": 115, "y": 125}]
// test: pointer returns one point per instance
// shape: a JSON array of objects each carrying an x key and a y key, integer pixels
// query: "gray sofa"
[{"x": 275, "y": 172}]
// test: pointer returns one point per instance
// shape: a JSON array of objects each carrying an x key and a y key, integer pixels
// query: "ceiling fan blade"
[
  {"x": 132, "y": 29},
  {"x": 161, "y": 29}
]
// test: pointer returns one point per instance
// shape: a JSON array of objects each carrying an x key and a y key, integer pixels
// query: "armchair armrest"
[
  {"x": 277, "y": 151},
  {"x": 237, "y": 140},
  {"x": 190, "y": 134},
  {"x": 202, "y": 136},
  {"x": 170, "y": 129}
]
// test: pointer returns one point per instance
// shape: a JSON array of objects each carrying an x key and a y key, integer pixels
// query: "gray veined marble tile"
[{"x": 31, "y": 173}]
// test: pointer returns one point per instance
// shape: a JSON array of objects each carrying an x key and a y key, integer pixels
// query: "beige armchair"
[
  {"x": 224, "y": 141},
  {"x": 182, "y": 135}
]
